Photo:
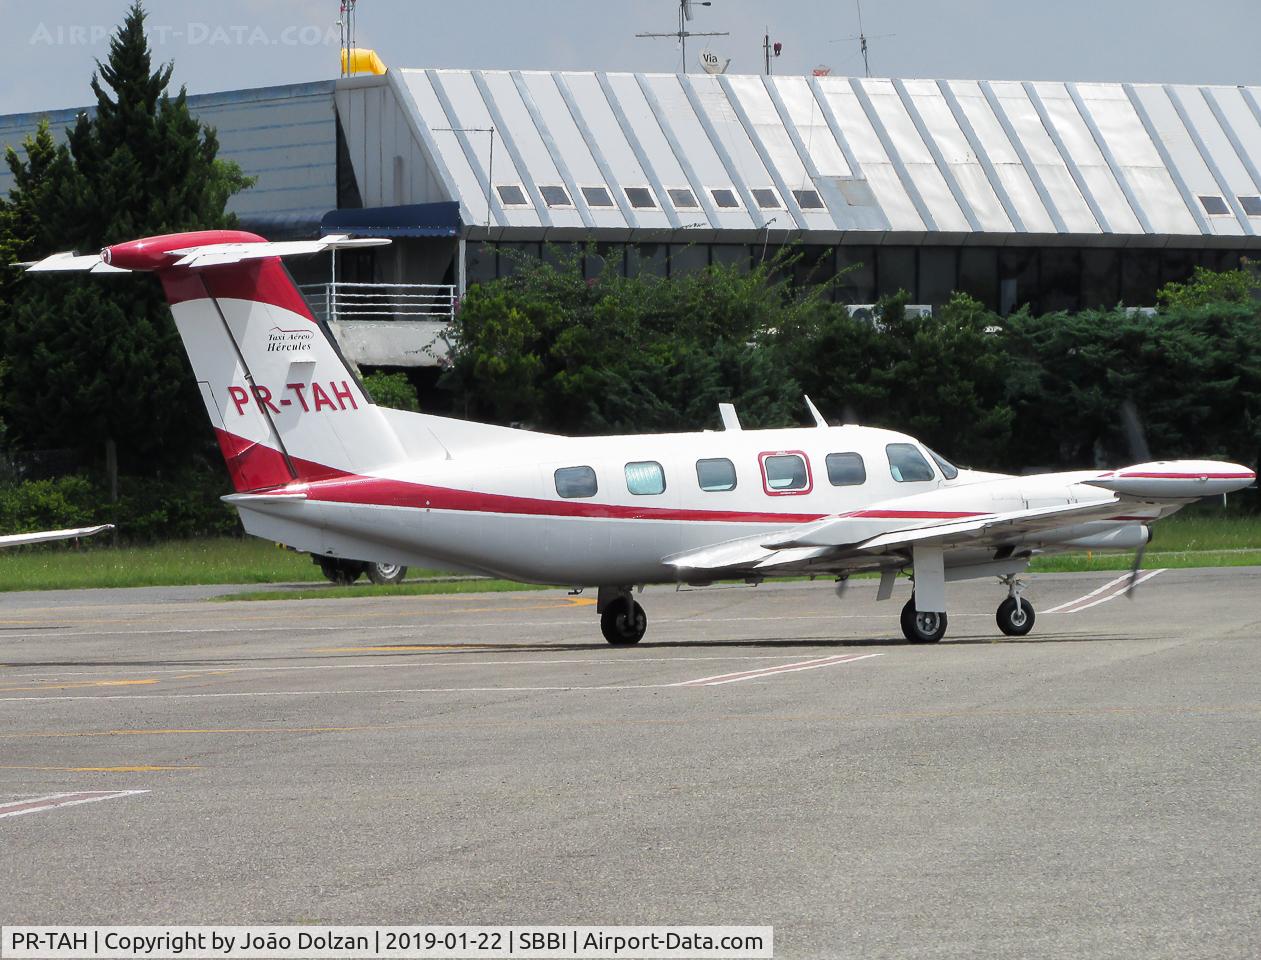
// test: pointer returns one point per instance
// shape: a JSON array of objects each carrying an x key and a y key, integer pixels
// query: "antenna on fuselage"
[
  {"x": 729, "y": 419},
  {"x": 814, "y": 412}
]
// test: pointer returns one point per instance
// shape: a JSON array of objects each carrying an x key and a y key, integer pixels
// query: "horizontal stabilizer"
[
  {"x": 221, "y": 253},
  {"x": 45, "y": 536},
  {"x": 68, "y": 262}
]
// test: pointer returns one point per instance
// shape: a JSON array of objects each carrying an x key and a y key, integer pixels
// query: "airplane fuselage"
[{"x": 564, "y": 510}]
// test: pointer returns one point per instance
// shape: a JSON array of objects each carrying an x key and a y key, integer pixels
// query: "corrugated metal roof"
[{"x": 831, "y": 157}]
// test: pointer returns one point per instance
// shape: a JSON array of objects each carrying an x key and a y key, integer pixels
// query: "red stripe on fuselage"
[
  {"x": 1186, "y": 476},
  {"x": 267, "y": 472}
]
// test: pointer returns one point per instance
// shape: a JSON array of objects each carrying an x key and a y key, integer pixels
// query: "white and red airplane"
[{"x": 319, "y": 467}]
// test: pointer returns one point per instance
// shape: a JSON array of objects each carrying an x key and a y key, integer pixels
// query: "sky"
[{"x": 48, "y": 49}]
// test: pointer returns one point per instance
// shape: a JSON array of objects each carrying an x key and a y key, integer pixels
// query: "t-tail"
[{"x": 284, "y": 404}]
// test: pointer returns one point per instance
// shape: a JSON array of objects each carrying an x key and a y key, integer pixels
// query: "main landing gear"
[
  {"x": 922, "y": 626},
  {"x": 1015, "y": 616},
  {"x": 622, "y": 620}
]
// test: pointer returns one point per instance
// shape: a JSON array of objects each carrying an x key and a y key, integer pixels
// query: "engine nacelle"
[{"x": 1175, "y": 479}]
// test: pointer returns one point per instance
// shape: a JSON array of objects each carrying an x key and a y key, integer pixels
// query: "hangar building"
[{"x": 1059, "y": 195}]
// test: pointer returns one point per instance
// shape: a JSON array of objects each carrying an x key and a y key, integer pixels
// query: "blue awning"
[{"x": 409, "y": 220}]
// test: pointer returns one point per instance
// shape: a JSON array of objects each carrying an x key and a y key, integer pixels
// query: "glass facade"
[{"x": 1003, "y": 278}]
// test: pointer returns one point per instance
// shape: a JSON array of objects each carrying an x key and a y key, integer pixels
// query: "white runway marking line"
[
  {"x": 1088, "y": 600},
  {"x": 796, "y": 667},
  {"x": 17, "y": 808}
]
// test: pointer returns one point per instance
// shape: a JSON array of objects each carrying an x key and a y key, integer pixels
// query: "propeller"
[{"x": 1136, "y": 438}]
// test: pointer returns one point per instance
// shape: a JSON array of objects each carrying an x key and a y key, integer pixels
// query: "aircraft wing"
[
  {"x": 43, "y": 536},
  {"x": 845, "y": 540},
  {"x": 956, "y": 532}
]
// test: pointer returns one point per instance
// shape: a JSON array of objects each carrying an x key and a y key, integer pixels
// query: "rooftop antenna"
[
  {"x": 862, "y": 39},
  {"x": 346, "y": 23},
  {"x": 769, "y": 49},
  {"x": 685, "y": 15}
]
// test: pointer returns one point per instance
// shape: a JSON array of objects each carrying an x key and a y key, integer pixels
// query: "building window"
[
  {"x": 716, "y": 476},
  {"x": 1100, "y": 277},
  {"x": 808, "y": 199},
  {"x": 597, "y": 196},
  {"x": 575, "y": 482},
  {"x": 647, "y": 258},
  {"x": 645, "y": 478},
  {"x": 856, "y": 268},
  {"x": 938, "y": 274},
  {"x": 1061, "y": 279},
  {"x": 907, "y": 464},
  {"x": 724, "y": 198},
  {"x": 682, "y": 198},
  {"x": 895, "y": 270},
  {"x": 846, "y": 469},
  {"x": 688, "y": 258},
  {"x": 766, "y": 198},
  {"x": 1251, "y": 206},
  {"x": 785, "y": 473},
  {"x": 978, "y": 274},
  {"x": 1215, "y": 206},
  {"x": 555, "y": 196},
  {"x": 511, "y": 195},
  {"x": 640, "y": 198}
]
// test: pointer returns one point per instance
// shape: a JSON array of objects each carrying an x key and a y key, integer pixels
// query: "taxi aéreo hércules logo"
[{"x": 280, "y": 340}]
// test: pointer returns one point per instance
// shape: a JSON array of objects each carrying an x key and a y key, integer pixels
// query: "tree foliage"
[{"x": 97, "y": 360}]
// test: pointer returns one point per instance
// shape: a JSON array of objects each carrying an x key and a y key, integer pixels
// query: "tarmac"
[{"x": 767, "y": 755}]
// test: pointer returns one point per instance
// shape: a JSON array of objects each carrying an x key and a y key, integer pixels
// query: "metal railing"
[{"x": 381, "y": 301}]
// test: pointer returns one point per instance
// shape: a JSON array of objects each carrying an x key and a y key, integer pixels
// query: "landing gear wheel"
[
  {"x": 623, "y": 622},
  {"x": 384, "y": 573},
  {"x": 339, "y": 571},
  {"x": 922, "y": 627},
  {"x": 1015, "y": 618}
]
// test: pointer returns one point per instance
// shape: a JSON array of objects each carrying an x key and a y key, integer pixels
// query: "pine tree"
[{"x": 96, "y": 363}]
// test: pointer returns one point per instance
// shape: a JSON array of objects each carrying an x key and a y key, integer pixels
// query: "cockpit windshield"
[{"x": 948, "y": 469}]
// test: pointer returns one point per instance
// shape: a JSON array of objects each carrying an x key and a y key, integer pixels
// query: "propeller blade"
[
  {"x": 1134, "y": 571},
  {"x": 1135, "y": 435}
]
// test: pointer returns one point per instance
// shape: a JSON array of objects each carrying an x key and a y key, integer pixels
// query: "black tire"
[
  {"x": 339, "y": 571},
  {"x": 384, "y": 573},
  {"x": 618, "y": 628},
  {"x": 1015, "y": 621},
  {"x": 922, "y": 627}
]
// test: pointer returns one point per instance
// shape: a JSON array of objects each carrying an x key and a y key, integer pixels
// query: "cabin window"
[
  {"x": 786, "y": 473},
  {"x": 575, "y": 482},
  {"x": 948, "y": 469},
  {"x": 907, "y": 464},
  {"x": 715, "y": 476},
  {"x": 846, "y": 469},
  {"x": 645, "y": 478}
]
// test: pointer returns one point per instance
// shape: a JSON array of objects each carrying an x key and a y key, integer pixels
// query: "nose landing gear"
[
  {"x": 622, "y": 620},
  {"x": 1015, "y": 615}
]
